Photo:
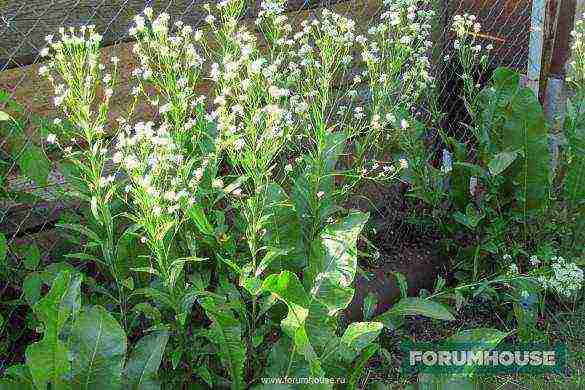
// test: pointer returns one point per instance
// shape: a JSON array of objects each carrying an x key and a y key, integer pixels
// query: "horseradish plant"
[
  {"x": 237, "y": 190},
  {"x": 83, "y": 88}
]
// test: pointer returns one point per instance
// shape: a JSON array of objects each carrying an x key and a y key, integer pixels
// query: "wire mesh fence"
[{"x": 32, "y": 202}]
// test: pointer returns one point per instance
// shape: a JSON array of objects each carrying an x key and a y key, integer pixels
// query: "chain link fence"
[{"x": 29, "y": 206}]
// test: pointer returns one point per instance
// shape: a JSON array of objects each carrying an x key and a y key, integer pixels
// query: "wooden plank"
[{"x": 560, "y": 52}]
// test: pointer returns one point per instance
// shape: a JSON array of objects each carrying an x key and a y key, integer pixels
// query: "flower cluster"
[
  {"x": 170, "y": 61},
  {"x": 82, "y": 91},
  {"x": 83, "y": 88},
  {"x": 156, "y": 167},
  {"x": 469, "y": 51},
  {"x": 566, "y": 279},
  {"x": 472, "y": 57},
  {"x": 273, "y": 23},
  {"x": 396, "y": 51}
]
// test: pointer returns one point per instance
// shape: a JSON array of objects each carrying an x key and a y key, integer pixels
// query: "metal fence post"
[{"x": 536, "y": 50}]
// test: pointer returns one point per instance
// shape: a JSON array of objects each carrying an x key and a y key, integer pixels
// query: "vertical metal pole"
[{"x": 537, "y": 26}]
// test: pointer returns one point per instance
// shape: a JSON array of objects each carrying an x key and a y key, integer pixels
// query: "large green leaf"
[
  {"x": 283, "y": 361},
  {"x": 416, "y": 306},
  {"x": 287, "y": 287},
  {"x": 501, "y": 161},
  {"x": 142, "y": 367},
  {"x": 333, "y": 262},
  {"x": 283, "y": 229},
  {"x": 48, "y": 360},
  {"x": 34, "y": 164},
  {"x": 226, "y": 332},
  {"x": 98, "y": 348},
  {"x": 513, "y": 120},
  {"x": 525, "y": 130},
  {"x": 359, "y": 335},
  {"x": 31, "y": 287}
]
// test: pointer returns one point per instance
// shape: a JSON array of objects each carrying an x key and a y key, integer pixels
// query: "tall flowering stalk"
[
  {"x": 473, "y": 59},
  {"x": 171, "y": 165},
  {"x": 83, "y": 89}
]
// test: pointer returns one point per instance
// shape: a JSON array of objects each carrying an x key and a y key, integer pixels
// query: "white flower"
[
  {"x": 209, "y": 19},
  {"x": 44, "y": 52},
  {"x": 288, "y": 168},
  {"x": 217, "y": 183},
  {"x": 320, "y": 194},
  {"x": 57, "y": 121},
  {"x": 51, "y": 138},
  {"x": 534, "y": 260},
  {"x": 404, "y": 124},
  {"x": 403, "y": 163},
  {"x": 239, "y": 144},
  {"x": 164, "y": 108}
]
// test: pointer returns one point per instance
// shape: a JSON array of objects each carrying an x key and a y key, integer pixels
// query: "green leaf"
[
  {"x": 32, "y": 258},
  {"x": 3, "y": 248},
  {"x": 513, "y": 119},
  {"x": 48, "y": 360},
  {"x": 142, "y": 367},
  {"x": 471, "y": 218},
  {"x": 204, "y": 374},
  {"x": 271, "y": 255},
  {"x": 283, "y": 232},
  {"x": 417, "y": 306},
  {"x": 98, "y": 349},
  {"x": 501, "y": 161},
  {"x": 402, "y": 283},
  {"x": 370, "y": 304},
  {"x": 333, "y": 262},
  {"x": 287, "y": 287},
  {"x": 359, "y": 335},
  {"x": 526, "y": 130},
  {"x": 304, "y": 347},
  {"x": 4, "y": 117},
  {"x": 34, "y": 164},
  {"x": 226, "y": 333},
  {"x": 31, "y": 287},
  {"x": 197, "y": 215}
]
